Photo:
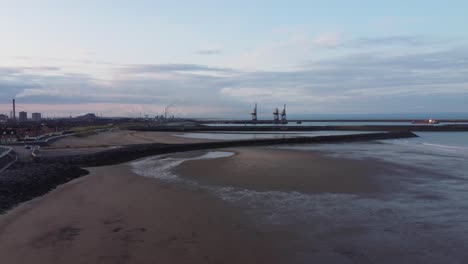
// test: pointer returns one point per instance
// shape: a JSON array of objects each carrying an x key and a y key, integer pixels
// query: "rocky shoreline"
[{"x": 25, "y": 181}]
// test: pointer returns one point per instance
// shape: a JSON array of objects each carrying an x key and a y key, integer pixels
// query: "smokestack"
[{"x": 14, "y": 110}]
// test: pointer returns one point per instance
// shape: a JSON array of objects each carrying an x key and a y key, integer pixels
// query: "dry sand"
[
  {"x": 268, "y": 169},
  {"x": 123, "y": 137},
  {"x": 116, "y": 138},
  {"x": 114, "y": 216}
]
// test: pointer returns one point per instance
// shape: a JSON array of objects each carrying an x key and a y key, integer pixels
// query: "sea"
[{"x": 424, "y": 220}]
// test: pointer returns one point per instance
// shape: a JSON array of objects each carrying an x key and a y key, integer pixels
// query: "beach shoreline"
[
  {"x": 262, "y": 205},
  {"x": 113, "y": 215}
]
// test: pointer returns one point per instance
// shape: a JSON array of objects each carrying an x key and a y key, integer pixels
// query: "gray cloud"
[
  {"x": 155, "y": 68},
  {"x": 358, "y": 82}
]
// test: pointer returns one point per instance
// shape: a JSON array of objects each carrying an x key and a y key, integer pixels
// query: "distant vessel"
[{"x": 427, "y": 122}]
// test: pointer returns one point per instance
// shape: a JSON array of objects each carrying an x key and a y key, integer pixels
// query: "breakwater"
[
  {"x": 279, "y": 128},
  {"x": 132, "y": 152}
]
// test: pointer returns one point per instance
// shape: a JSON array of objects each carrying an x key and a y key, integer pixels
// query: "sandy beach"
[
  {"x": 123, "y": 137},
  {"x": 261, "y": 205},
  {"x": 114, "y": 216}
]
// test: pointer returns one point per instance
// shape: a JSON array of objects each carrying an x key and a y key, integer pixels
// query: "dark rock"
[{"x": 23, "y": 182}]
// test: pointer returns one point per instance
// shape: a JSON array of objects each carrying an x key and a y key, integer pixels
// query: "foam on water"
[{"x": 160, "y": 166}]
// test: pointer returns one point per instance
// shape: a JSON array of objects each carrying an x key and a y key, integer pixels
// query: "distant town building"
[
  {"x": 3, "y": 118},
  {"x": 8, "y": 136},
  {"x": 23, "y": 116},
  {"x": 36, "y": 117}
]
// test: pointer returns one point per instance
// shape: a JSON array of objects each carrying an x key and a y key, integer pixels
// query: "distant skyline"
[{"x": 213, "y": 58}]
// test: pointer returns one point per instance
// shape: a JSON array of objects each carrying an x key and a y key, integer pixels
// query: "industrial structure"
[
  {"x": 14, "y": 111},
  {"x": 278, "y": 117},
  {"x": 254, "y": 113},
  {"x": 283, "y": 115}
]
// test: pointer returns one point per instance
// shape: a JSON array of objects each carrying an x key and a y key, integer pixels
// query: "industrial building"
[
  {"x": 36, "y": 117},
  {"x": 23, "y": 116}
]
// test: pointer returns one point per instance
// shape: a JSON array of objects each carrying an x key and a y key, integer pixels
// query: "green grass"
[
  {"x": 129, "y": 125},
  {"x": 89, "y": 128}
]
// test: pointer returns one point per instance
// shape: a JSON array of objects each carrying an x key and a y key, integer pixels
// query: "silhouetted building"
[
  {"x": 23, "y": 116},
  {"x": 3, "y": 118},
  {"x": 36, "y": 117}
]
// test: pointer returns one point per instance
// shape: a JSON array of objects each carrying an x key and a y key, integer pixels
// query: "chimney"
[{"x": 14, "y": 110}]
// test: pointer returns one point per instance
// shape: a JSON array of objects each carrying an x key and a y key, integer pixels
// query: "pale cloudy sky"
[{"x": 217, "y": 58}]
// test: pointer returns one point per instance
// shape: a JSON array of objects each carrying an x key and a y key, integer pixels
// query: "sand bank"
[{"x": 268, "y": 169}]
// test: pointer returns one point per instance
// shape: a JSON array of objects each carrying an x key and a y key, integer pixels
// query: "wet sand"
[
  {"x": 115, "y": 216},
  {"x": 268, "y": 169}
]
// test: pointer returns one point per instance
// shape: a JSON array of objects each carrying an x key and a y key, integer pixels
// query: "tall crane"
[
  {"x": 254, "y": 113},
  {"x": 276, "y": 115},
  {"x": 283, "y": 115}
]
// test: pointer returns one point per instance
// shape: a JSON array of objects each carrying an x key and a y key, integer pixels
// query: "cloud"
[
  {"x": 393, "y": 40},
  {"x": 209, "y": 51},
  {"x": 356, "y": 82},
  {"x": 167, "y": 68},
  {"x": 10, "y": 70},
  {"x": 327, "y": 40}
]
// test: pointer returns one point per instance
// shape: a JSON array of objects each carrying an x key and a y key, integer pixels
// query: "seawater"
[
  {"x": 333, "y": 123},
  {"x": 443, "y": 152},
  {"x": 424, "y": 220},
  {"x": 264, "y": 135}
]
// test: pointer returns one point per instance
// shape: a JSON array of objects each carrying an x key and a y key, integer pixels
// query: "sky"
[{"x": 219, "y": 58}]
